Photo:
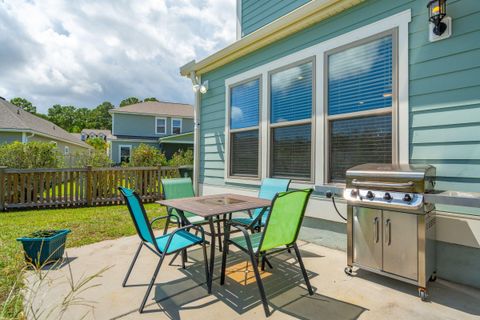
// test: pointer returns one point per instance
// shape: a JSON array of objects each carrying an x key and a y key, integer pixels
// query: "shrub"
[
  {"x": 96, "y": 158},
  {"x": 182, "y": 158},
  {"x": 147, "y": 156},
  {"x": 30, "y": 155},
  {"x": 97, "y": 143}
]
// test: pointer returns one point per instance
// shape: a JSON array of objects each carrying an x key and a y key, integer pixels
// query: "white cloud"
[{"x": 85, "y": 52}]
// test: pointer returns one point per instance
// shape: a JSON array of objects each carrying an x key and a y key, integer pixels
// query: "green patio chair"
[
  {"x": 280, "y": 233},
  {"x": 177, "y": 188},
  {"x": 168, "y": 243},
  {"x": 269, "y": 188}
]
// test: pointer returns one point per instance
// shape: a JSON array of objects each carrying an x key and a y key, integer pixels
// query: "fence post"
[
  {"x": 89, "y": 186},
  {"x": 2, "y": 188},
  {"x": 159, "y": 179}
]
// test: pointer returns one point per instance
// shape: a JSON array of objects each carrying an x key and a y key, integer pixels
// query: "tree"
[
  {"x": 64, "y": 117},
  {"x": 101, "y": 116},
  {"x": 129, "y": 101},
  {"x": 24, "y": 104},
  {"x": 150, "y": 99}
]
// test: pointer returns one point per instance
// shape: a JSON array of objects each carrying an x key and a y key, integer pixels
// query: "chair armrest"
[
  {"x": 168, "y": 216},
  {"x": 241, "y": 228},
  {"x": 190, "y": 226}
]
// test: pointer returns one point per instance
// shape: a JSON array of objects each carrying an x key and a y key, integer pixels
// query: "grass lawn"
[{"x": 88, "y": 225}]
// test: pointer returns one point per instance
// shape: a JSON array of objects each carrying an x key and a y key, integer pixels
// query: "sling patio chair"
[
  {"x": 269, "y": 188},
  {"x": 280, "y": 233},
  {"x": 177, "y": 188},
  {"x": 169, "y": 243}
]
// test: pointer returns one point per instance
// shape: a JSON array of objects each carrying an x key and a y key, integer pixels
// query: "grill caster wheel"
[
  {"x": 348, "y": 271},
  {"x": 433, "y": 277},
  {"x": 422, "y": 293}
]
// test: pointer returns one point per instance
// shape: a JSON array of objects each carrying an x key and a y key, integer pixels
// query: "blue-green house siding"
[
  {"x": 257, "y": 13},
  {"x": 444, "y": 90},
  {"x": 144, "y": 125},
  {"x": 114, "y": 152}
]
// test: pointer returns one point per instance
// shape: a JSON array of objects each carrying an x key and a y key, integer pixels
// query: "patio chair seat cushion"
[
  {"x": 181, "y": 240},
  {"x": 255, "y": 239}
]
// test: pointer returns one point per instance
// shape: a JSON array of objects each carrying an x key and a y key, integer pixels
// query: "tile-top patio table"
[{"x": 212, "y": 206}]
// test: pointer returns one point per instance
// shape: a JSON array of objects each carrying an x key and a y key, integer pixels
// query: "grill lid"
[{"x": 400, "y": 177}]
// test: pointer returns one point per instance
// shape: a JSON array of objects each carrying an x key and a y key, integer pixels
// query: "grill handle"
[{"x": 393, "y": 185}]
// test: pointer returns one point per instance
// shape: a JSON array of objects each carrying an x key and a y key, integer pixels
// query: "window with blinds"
[
  {"x": 291, "y": 105},
  {"x": 244, "y": 129},
  {"x": 360, "y": 97}
]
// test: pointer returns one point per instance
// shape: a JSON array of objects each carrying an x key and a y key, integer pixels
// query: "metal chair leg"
[
  {"x": 142, "y": 306},
  {"x": 175, "y": 256},
  {"x": 268, "y": 263},
  {"x": 304, "y": 272},
  {"x": 259, "y": 282},
  {"x": 132, "y": 264}
]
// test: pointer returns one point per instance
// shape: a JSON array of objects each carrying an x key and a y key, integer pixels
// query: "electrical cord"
[{"x": 329, "y": 194}]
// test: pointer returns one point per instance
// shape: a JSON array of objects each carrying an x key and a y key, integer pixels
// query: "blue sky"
[{"x": 85, "y": 52}]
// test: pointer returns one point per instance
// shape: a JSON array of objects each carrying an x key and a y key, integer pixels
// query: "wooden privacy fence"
[{"x": 40, "y": 188}]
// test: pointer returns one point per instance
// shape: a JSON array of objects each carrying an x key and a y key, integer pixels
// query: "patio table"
[{"x": 212, "y": 206}]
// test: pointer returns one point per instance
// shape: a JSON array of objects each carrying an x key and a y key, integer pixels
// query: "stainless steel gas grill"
[{"x": 391, "y": 229}]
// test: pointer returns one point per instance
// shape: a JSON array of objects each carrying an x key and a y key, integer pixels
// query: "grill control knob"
[
  {"x": 370, "y": 195},
  {"x": 387, "y": 196},
  {"x": 407, "y": 198}
]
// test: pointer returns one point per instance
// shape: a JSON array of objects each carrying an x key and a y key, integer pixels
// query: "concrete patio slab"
[{"x": 181, "y": 293}]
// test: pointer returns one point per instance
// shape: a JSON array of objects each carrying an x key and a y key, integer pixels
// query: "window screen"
[
  {"x": 360, "y": 78},
  {"x": 244, "y": 135},
  {"x": 291, "y": 151},
  {"x": 176, "y": 126},
  {"x": 161, "y": 126},
  {"x": 291, "y": 94},
  {"x": 244, "y": 102},
  {"x": 244, "y": 156}
]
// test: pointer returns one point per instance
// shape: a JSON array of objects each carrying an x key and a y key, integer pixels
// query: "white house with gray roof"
[
  {"x": 155, "y": 123},
  {"x": 17, "y": 124}
]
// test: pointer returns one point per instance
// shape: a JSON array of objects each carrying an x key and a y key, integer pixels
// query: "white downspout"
[{"x": 196, "y": 135}]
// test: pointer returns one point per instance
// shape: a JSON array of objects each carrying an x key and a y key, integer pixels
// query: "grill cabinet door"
[
  {"x": 367, "y": 237},
  {"x": 400, "y": 244}
]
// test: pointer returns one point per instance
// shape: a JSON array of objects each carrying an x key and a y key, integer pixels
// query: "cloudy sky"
[{"x": 85, "y": 52}]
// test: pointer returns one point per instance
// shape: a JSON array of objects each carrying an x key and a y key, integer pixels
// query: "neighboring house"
[
  {"x": 17, "y": 124},
  {"x": 95, "y": 133},
  {"x": 312, "y": 88},
  {"x": 164, "y": 125}
]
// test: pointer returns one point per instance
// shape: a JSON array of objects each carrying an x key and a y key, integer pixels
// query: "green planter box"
[{"x": 41, "y": 251}]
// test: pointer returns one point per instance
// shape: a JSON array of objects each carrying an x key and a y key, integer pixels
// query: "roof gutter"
[{"x": 299, "y": 19}]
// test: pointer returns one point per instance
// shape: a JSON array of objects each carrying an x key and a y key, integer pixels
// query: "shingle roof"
[
  {"x": 105, "y": 132},
  {"x": 17, "y": 119},
  {"x": 158, "y": 108}
]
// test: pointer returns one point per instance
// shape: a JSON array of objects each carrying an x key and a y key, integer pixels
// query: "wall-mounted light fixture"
[
  {"x": 197, "y": 86},
  {"x": 441, "y": 25}
]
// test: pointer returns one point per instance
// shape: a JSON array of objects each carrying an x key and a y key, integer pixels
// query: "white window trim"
[
  {"x": 66, "y": 150},
  {"x": 399, "y": 21},
  {"x": 129, "y": 146},
  {"x": 239, "y": 178},
  {"x": 156, "y": 126},
  {"x": 171, "y": 125}
]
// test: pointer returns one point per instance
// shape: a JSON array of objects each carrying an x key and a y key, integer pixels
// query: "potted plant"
[{"x": 44, "y": 246}]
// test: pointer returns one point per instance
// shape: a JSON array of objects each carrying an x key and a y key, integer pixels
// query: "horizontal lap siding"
[
  {"x": 444, "y": 89},
  {"x": 258, "y": 13}
]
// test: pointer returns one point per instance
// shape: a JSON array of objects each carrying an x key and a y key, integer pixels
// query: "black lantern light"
[{"x": 437, "y": 10}]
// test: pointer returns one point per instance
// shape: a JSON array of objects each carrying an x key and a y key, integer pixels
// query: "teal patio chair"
[
  {"x": 177, "y": 188},
  {"x": 168, "y": 243},
  {"x": 280, "y": 233},
  {"x": 269, "y": 188}
]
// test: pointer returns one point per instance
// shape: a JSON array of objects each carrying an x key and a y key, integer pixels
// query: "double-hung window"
[
  {"x": 125, "y": 152},
  {"x": 361, "y": 96},
  {"x": 160, "y": 125},
  {"x": 176, "y": 126},
  {"x": 243, "y": 113},
  {"x": 291, "y": 107}
]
